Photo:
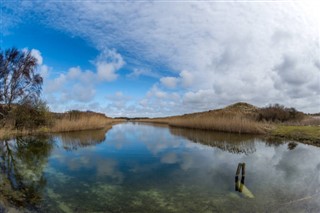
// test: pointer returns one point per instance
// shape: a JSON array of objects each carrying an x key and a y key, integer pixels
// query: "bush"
[
  {"x": 31, "y": 115},
  {"x": 279, "y": 113}
]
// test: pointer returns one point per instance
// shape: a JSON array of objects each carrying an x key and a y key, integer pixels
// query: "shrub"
[
  {"x": 31, "y": 115},
  {"x": 279, "y": 113}
]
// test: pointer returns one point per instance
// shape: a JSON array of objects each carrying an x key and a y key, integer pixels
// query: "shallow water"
[{"x": 147, "y": 168}]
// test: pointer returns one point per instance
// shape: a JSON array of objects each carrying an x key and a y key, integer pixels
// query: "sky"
[{"x": 162, "y": 58}]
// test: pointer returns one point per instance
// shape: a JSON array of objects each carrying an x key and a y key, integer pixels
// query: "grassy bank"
[
  {"x": 222, "y": 124},
  {"x": 237, "y": 118},
  {"x": 305, "y": 134},
  {"x": 64, "y": 122},
  {"x": 246, "y": 118}
]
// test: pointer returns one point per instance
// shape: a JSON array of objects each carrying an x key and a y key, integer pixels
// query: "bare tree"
[{"x": 18, "y": 80}]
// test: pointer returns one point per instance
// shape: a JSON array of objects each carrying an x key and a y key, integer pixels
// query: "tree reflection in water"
[
  {"x": 22, "y": 163},
  {"x": 233, "y": 143}
]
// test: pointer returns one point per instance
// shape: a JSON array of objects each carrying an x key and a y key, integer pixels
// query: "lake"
[{"x": 152, "y": 168}]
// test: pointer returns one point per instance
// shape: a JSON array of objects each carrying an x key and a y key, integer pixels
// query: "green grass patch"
[{"x": 306, "y": 134}]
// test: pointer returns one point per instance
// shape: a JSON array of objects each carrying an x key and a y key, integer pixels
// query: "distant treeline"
[{"x": 131, "y": 119}]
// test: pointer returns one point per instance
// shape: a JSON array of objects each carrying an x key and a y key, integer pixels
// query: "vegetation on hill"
[
  {"x": 273, "y": 120},
  {"x": 237, "y": 118}
]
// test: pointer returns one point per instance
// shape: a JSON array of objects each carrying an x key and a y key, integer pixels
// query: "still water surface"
[{"x": 144, "y": 168}]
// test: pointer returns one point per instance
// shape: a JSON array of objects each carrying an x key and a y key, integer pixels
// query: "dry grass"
[
  {"x": 65, "y": 122},
  {"x": 306, "y": 121},
  {"x": 236, "y": 124},
  {"x": 82, "y": 122},
  {"x": 237, "y": 118}
]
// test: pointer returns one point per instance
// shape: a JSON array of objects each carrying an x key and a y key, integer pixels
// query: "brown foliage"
[
  {"x": 77, "y": 120},
  {"x": 279, "y": 113},
  {"x": 237, "y": 118}
]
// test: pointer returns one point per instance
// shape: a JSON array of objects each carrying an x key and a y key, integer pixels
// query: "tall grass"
[
  {"x": 64, "y": 122},
  {"x": 235, "y": 124},
  {"x": 237, "y": 118},
  {"x": 306, "y": 121},
  {"x": 81, "y": 122}
]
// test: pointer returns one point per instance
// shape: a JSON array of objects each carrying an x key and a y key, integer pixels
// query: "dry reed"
[
  {"x": 83, "y": 122},
  {"x": 225, "y": 124},
  {"x": 307, "y": 121},
  {"x": 240, "y": 118}
]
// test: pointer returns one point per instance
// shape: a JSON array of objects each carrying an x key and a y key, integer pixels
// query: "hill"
[{"x": 239, "y": 117}]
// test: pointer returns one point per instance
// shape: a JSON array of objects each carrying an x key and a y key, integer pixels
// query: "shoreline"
[
  {"x": 297, "y": 133},
  {"x": 303, "y": 134},
  {"x": 6, "y": 134}
]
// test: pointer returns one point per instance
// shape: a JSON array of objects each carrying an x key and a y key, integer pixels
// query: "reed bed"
[
  {"x": 82, "y": 122},
  {"x": 237, "y": 118},
  {"x": 223, "y": 124},
  {"x": 306, "y": 121}
]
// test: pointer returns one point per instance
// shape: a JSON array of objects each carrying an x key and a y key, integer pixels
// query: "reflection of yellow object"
[{"x": 246, "y": 192}]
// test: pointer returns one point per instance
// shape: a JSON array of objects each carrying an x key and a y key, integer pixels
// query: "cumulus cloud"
[
  {"x": 55, "y": 84},
  {"x": 37, "y": 54},
  {"x": 80, "y": 85},
  {"x": 75, "y": 85},
  {"x": 186, "y": 78},
  {"x": 230, "y": 51},
  {"x": 107, "y": 64},
  {"x": 42, "y": 68},
  {"x": 169, "y": 82},
  {"x": 201, "y": 99},
  {"x": 118, "y": 101},
  {"x": 142, "y": 72}
]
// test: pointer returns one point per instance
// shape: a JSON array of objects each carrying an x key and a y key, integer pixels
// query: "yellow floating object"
[{"x": 246, "y": 192}]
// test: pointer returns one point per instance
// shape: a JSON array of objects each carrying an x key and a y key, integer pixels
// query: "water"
[{"x": 145, "y": 168}]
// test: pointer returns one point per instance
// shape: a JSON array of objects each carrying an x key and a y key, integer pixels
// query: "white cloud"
[
  {"x": 107, "y": 64},
  {"x": 80, "y": 85},
  {"x": 119, "y": 101},
  {"x": 37, "y": 54},
  {"x": 169, "y": 82},
  {"x": 82, "y": 93},
  {"x": 156, "y": 92},
  {"x": 262, "y": 52},
  {"x": 42, "y": 68},
  {"x": 75, "y": 85},
  {"x": 186, "y": 78},
  {"x": 55, "y": 84},
  {"x": 44, "y": 71},
  {"x": 142, "y": 72},
  {"x": 74, "y": 72}
]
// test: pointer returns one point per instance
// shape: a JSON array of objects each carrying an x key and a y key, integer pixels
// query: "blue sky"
[{"x": 165, "y": 58}]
